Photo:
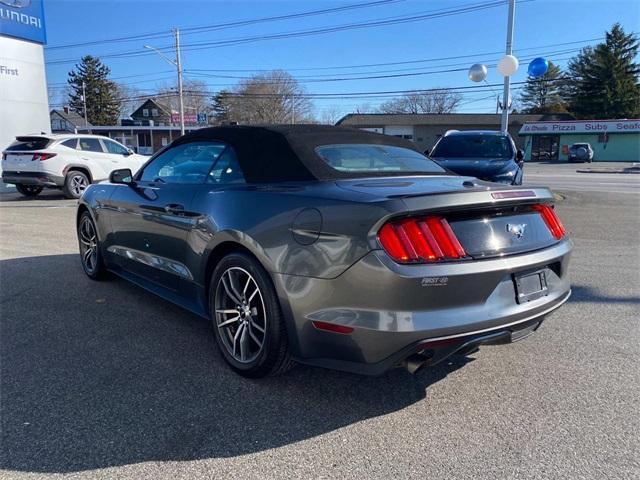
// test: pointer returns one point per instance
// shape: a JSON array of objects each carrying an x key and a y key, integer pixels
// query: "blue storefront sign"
[{"x": 23, "y": 19}]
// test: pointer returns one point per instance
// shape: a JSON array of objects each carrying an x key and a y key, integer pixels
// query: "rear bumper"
[
  {"x": 395, "y": 308},
  {"x": 42, "y": 179}
]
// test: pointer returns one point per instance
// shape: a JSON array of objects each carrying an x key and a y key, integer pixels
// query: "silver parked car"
[
  {"x": 328, "y": 246},
  {"x": 581, "y": 152}
]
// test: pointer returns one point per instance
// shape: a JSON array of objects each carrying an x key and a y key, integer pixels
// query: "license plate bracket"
[{"x": 530, "y": 285}]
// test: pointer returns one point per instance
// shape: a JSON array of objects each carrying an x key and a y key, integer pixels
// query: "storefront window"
[{"x": 544, "y": 147}]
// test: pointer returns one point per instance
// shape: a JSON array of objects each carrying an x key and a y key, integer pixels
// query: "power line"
[
  {"x": 405, "y": 62},
  {"x": 300, "y": 33},
  {"x": 424, "y": 15},
  {"x": 119, "y": 78},
  {"x": 220, "y": 26},
  {"x": 319, "y": 96},
  {"x": 373, "y": 94},
  {"x": 364, "y": 77}
]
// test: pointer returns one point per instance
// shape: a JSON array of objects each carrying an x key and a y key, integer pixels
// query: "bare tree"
[
  {"x": 364, "y": 108},
  {"x": 129, "y": 98},
  {"x": 441, "y": 100},
  {"x": 59, "y": 96},
  {"x": 195, "y": 95},
  {"x": 273, "y": 97},
  {"x": 331, "y": 115}
]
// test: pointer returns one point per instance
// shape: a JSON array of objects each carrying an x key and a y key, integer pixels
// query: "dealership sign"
[
  {"x": 589, "y": 126},
  {"x": 23, "y": 19}
]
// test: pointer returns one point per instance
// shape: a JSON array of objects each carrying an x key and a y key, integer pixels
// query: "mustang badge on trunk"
[{"x": 516, "y": 229}]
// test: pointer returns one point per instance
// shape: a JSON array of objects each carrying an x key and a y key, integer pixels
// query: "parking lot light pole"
[
  {"x": 178, "y": 64},
  {"x": 506, "y": 94}
]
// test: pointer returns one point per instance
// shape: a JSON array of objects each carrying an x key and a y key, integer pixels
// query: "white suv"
[{"x": 70, "y": 162}]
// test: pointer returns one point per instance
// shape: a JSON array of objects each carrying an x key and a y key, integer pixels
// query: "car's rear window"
[
  {"x": 372, "y": 158},
  {"x": 28, "y": 144},
  {"x": 473, "y": 146}
]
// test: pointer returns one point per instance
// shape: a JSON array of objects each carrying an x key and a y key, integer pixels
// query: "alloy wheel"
[
  {"x": 77, "y": 184},
  {"x": 88, "y": 244},
  {"x": 240, "y": 314}
]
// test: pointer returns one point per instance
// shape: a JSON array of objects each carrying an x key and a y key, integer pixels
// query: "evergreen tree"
[
  {"x": 103, "y": 107},
  {"x": 604, "y": 81},
  {"x": 544, "y": 94},
  {"x": 222, "y": 106}
]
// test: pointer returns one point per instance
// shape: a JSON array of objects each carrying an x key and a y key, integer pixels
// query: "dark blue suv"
[{"x": 487, "y": 155}]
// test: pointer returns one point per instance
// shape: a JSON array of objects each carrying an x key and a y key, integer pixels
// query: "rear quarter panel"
[{"x": 291, "y": 230}]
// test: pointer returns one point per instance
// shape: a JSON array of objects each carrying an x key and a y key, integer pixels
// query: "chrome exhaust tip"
[{"x": 414, "y": 362}]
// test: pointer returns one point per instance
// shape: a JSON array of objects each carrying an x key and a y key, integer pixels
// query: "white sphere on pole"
[
  {"x": 508, "y": 65},
  {"x": 477, "y": 72}
]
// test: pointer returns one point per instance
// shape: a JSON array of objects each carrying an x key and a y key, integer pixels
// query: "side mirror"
[
  {"x": 122, "y": 175},
  {"x": 129, "y": 152},
  {"x": 520, "y": 155},
  {"x": 427, "y": 152}
]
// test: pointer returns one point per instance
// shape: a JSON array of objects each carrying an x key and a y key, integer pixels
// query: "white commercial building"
[{"x": 24, "y": 106}]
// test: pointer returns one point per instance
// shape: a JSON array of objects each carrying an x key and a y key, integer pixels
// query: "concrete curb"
[{"x": 635, "y": 168}]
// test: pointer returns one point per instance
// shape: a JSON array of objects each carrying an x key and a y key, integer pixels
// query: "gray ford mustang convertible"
[{"x": 328, "y": 246}]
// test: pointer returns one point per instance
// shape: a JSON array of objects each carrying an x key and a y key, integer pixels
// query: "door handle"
[{"x": 174, "y": 209}]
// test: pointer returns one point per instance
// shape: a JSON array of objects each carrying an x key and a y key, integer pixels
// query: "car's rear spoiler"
[
  {"x": 478, "y": 198},
  {"x": 31, "y": 138}
]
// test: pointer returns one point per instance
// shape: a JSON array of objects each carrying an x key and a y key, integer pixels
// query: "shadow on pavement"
[
  {"x": 583, "y": 293},
  {"x": 45, "y": 195},
  {"x": 99, "y": 374}
]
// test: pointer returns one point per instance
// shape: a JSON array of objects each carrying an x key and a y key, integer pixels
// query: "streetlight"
[
  {"x": 178, "y": 64},
  {"x": 507, "y": 66}
]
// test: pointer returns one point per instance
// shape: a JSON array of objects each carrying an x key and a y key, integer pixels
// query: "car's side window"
[
  {"x": 91, "y": 145},
  {"x": 113, "y": 147},
  {"x": 71, "y": 143},
  {"x": 226, "y": 170},
  {"x": 185, "y": 163}
]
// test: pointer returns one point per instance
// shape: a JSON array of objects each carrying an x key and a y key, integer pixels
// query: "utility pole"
[
  {"x": 84, "y": 103},
  {"x": 179, "y": 66},
  {"x": 293, "y": 109},
  {"x": 506, "y": 95}
]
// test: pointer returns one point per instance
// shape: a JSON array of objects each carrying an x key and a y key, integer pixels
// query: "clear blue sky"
[{"x": 539, "y": 23}]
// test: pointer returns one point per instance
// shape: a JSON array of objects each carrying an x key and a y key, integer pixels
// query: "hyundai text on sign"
[{"x": 23, "y": 19}]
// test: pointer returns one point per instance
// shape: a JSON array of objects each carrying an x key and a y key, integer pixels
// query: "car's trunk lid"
[
  {"x": 20, "y": 155},
  {"x": 487, "y": 219},
  {"x": 20, "y": 162},
  {"x": 498, "y": 232}
]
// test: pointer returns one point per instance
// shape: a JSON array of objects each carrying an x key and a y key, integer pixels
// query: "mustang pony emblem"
[{"x": 516, "y": 229}]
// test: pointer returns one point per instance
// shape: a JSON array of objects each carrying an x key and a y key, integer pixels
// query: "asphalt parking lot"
[{"x": 103, "y": 380}]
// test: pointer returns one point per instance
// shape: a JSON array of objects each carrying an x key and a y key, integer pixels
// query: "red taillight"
[
  {"x": 42, "y": 156},
  {"x": 551, "y": 219},
  {"x": 332, "y": 327},
  {"x": 415, "y": 240}
]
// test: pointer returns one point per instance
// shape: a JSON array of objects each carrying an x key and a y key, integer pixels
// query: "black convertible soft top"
[{"x": 280, "y": 153}]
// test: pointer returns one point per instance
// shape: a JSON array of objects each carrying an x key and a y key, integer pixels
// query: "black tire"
[
  {"x": 29, "y": 190},
  {"x": 92, "y": 262},
  {"x": 75, "y": 183},
  {"x": 273, "y": 356}
]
